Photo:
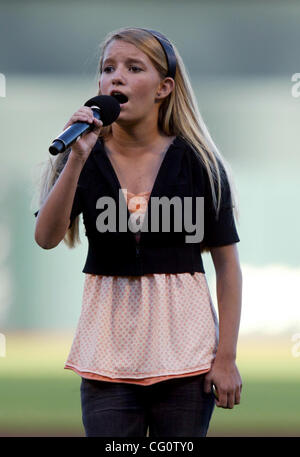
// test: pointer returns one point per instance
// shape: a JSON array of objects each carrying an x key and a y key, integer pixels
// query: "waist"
[{"x": 136, "y": 259}]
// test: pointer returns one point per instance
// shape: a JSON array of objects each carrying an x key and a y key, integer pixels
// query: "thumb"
[
  {"x": 97, "y": 126},
  {"x": 207, "y": 384}
]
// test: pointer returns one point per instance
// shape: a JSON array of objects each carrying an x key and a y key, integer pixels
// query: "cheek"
[
  {"x": 144, "y": 91},
  {"x": 103, "y": 83}
]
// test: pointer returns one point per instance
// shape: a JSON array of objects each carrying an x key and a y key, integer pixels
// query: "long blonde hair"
[{"x": 178, "y": 115}]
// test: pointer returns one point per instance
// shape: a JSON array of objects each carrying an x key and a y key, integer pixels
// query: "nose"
[{"x": 118, "y": 76}]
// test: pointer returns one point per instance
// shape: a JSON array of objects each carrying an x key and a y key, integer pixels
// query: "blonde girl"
[{"x": 149, "y": 348}]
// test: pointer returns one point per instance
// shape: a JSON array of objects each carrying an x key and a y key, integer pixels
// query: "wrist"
[
  {"x": 225, "y": 356},
  {"x": 76, "y": 159}
]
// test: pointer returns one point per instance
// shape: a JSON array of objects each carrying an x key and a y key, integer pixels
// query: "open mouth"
[{"x": 121, "y": 98}]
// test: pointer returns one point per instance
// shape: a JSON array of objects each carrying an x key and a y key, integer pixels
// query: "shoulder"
[
  {"x": 193, "y": 160},
  {"x": 201, "y": 173}
]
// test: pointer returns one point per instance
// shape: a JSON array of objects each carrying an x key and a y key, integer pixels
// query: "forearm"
[{"x": 229, "y": 297}]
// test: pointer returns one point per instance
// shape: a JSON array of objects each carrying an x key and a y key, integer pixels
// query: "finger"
[
  {"x": 230, "y": 399},
  {"x": 84, "y": 114},
  {"x": 215, "y": 392},
  {"x": 97, "y": 122},
  {"x": 79, "y": 118},
  {"x": 86, "y": 111},
  {"x": 83, "y": 117},
  {"x": 222, "y": 401},
  {"x": 207, "y": 385},
  {"x": 237, "y": 396},
  {"x": 97, "y": 126}
]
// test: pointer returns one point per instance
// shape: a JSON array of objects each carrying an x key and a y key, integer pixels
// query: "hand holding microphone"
[
  {"x": 82, "y": 146},
  {"x": 82, "y": 130}
]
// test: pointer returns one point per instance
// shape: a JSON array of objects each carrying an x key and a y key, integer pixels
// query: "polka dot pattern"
[{"x": 144, "y": 329}]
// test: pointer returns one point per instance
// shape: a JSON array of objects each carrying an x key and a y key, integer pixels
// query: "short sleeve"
[
  {"x": 76, "y": 208},
  {"x": 219, "y": 231}
]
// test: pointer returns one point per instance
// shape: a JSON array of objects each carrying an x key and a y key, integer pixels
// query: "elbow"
[
  {"x": 48, "y": 240},
  {"x": 42, "y": 243}
]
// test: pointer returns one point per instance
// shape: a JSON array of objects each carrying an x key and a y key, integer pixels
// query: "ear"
[{"x": 165, "y": 88}]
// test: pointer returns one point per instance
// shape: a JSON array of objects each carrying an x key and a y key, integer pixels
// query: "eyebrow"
[{"x": 129, "y": 59}]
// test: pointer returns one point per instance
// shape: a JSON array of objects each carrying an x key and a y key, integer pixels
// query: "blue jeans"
[{"x": 172, "y": 408}]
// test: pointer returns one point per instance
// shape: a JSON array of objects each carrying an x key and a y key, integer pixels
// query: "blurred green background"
[{"x": 241, "y": 58}]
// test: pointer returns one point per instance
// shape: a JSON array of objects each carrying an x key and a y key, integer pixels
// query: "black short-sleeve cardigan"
[{"x": 181, "y": 174}]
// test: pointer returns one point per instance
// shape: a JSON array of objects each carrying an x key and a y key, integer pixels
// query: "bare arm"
[
  {"x": 224, "y": 373},
  {"x": 54, "y": 216},
  {"x": 229, "y": 296}
]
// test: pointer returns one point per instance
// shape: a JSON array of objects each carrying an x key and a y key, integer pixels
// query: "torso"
[{"x": 138, "y": 175}]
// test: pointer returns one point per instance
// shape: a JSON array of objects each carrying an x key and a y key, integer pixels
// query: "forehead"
[{"x": 119, "y": 49}]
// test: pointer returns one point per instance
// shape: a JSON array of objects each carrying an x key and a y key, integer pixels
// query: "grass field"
[{"x": 39, "y": 398}]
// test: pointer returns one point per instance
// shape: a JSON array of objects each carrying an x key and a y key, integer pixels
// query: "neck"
[{"x": 132, "y": 141}]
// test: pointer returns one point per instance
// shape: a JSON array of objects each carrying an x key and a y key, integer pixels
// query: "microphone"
[{"x": 105, "y": 108}]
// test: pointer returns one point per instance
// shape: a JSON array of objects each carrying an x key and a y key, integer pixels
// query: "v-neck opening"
[
  {"x": 160, "y": 179},
  {"x": 160, "y": 170}
]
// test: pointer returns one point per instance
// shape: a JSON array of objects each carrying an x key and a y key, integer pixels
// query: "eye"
[
  {"x": 107, "y": 69},
  {"x": 135, "y": 68}
]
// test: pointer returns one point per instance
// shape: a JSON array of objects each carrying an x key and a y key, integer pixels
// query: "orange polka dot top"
[{"x": 144, "y": 329}]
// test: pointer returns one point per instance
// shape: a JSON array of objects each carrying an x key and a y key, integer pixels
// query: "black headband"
[{"x": 168, "y": 49}]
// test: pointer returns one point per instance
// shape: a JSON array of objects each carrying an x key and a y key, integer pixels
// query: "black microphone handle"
[{"x": 70, "y": 135}]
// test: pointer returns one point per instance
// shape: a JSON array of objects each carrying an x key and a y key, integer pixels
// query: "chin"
[{"x": 125, "y": 120}]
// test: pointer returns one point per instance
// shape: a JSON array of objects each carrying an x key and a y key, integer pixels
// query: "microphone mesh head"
[{"x": 109, "y": 108}]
